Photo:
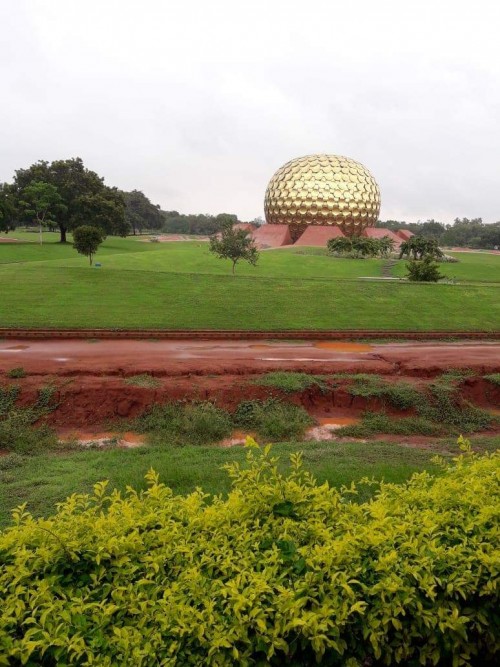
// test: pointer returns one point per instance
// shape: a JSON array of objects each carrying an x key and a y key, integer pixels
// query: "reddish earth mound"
[
  {"x": 272, "y": 236},
  {"x": 316, "y": 235}
]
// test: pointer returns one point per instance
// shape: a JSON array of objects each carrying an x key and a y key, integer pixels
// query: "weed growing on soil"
[
  {"x": 185, "y": 423},
  {"x": 272, "y": 419},
  {"x": 145, "y": 381},
  {"x": 494, "y": 378},
  {"x": 17, "y": 433},
  {"x": 8, "y": 398},
  {"x": 379, "y": 422},
  {"x": 400, "y": 395},
  {"x": 290, "y": 382},
  {"x": 16, "y": 373}
]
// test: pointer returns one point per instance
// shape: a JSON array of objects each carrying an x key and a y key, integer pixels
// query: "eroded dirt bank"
[{"x": 92, "y": 379}]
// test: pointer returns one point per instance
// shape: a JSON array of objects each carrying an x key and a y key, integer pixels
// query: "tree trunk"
[{"x": 62, "y": 230}]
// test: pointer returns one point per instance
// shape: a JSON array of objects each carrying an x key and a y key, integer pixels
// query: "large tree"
[
  {"x": 140, "y": 213},
  {"x": 83, "y": 193},
  {"x": 42, "y": 203},
  {"x": 8, "y": 208}
]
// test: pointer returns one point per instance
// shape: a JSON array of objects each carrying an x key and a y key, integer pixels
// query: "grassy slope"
[
  {"x": 180, "y": 285},
  {"x": 473, "y": 266},
  {"x": 68, "y": 297},
  {"x": 44, "y": 480}
]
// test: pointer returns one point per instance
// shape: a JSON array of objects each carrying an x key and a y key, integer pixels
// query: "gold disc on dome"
[{"x": 334, "y": 182}]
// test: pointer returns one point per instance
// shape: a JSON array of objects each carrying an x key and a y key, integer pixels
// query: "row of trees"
[
  {"x": 64, "y": 195},
  {"x": 464, "y": 232}
]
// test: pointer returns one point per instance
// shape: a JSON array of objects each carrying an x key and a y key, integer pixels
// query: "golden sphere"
[{"x": 323, "y": 190}]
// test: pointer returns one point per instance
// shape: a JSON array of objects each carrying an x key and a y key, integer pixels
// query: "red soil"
[
  {"x": 318, "y": 235},
  {"x": 91, "y": 389}
]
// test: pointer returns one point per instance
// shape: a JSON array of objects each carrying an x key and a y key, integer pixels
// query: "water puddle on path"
[{"x": 340, "y": 346}]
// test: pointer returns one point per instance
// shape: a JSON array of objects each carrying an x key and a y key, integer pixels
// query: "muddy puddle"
[
  {"x": 340, "y": 346},
  {"x": 127, "y": 440}
]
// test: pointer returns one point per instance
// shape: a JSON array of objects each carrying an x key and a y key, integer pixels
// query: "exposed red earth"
[{"x": 91, "y": 375}]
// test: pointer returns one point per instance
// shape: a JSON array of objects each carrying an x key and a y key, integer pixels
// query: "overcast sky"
[{"x": 198, "y": 102}]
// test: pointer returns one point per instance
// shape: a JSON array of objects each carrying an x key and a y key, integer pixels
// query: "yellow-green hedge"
[{"x": 283, "y": 571}]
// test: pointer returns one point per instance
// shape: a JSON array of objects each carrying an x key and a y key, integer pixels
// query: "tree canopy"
[
  {"x": 140, "y": 213},
  {"x": 87, "y": 239},
  {"x": 234, "y": 244},
  {"x": 84, "y": 196}
]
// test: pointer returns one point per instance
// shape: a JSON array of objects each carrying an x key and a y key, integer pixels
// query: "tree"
[
  {"x": 87, "y": 239},
  {"x": 41, "y": 202},
  {"x": 140, "y": 213},
  {"x": 419, "y": 247},
  {"x": 424, "y": 270},
  {"x": 83, "y": 193},
  {"x": 8, "y": 208},
  {"x": 234, "y": 244}
]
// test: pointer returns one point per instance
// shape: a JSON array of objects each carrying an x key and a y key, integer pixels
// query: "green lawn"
[
  {"x": 181, "y": 285},
  {"x": 471, "y": 266},
  {"x": 40, "y": 296},
  {"x": 44, "y": 480}
]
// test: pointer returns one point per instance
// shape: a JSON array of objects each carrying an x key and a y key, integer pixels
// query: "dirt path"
[{"x": 183, "y": 357}]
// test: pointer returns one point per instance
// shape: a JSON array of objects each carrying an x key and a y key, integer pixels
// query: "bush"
[
  {"x": 423, "y": 270},
  {"x": 186, "y": 423},
  {"x": 283, "y": 571},
  {"x": 16, "y": 373},
  {"x": 272, "y": 419}
]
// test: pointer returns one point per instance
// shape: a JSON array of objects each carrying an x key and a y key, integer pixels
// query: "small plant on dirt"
[
  {"x": 45, "y": 402},
  {"x": 145, "y": 381},
  {"x": 401, "y": 395},
  {"x": 17, "y": 433},
  {"x": 8, "y": 398},
  {"x": 181, "y": 423},
  {"x": 379, "y": 422},
  {"x": 16, "y": 373},
  {"x": 290, "y": 382},
  {"x": 494, "y": 378},
  {"x": 272, "y": 419}
]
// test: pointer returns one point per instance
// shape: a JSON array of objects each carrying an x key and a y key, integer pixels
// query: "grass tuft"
[
  {"x": 145, "y": 381},
  {"x": 290, "y": 382}
]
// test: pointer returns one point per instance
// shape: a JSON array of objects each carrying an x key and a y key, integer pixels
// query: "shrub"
[
  {"x": 272, "y": 419},
  {"x": 283, "y": 571},
  {"x": 423, "y": 270},
  {"x": 290, "y": 382},
  {"x": 186, "y": 423},
  {"x": 16, "y": 373},
  {"x": 400, "y": 395}
]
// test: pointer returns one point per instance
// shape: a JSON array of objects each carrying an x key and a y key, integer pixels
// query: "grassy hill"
[{"x": 180, "y": 285}]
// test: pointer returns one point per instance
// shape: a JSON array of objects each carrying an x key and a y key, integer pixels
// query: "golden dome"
[{"x": 323, "y": 190}]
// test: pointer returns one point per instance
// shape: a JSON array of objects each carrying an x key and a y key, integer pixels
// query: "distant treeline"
[{"x": 463, "y": 232}]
